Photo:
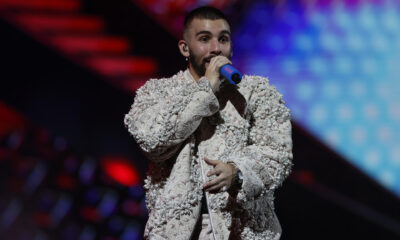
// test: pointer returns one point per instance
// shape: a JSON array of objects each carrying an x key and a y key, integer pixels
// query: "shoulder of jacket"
[
  {"x": 256, "y": 83},
  {"x": 161, "y": 83},
  {"x": 260, "y": 86}
]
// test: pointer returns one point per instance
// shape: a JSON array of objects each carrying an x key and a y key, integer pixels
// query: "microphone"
[{"x": 231, "y": 73}]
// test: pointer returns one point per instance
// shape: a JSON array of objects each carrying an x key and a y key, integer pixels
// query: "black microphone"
[{"x": 231, "y": 73}]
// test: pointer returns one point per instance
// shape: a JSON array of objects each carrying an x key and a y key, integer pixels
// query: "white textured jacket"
[{"x": 178, "y": 122}]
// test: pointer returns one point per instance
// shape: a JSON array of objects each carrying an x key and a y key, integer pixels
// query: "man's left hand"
[{"x": 225, "y": 173}]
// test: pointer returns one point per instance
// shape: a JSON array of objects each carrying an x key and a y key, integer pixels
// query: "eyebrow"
[{"x": 209, "y": 33}]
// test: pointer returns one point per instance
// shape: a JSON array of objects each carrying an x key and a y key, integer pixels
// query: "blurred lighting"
[
  {"x": 60, "y": 144},
  {"x": 93, "y": 196},
  {"x": 304, "y": 42},
  {"x": 120, "y": 170},
  {"x": 116, "y": 224},
  {"x": 305, "y": 91},
  {"x": 317, "y": 65},
  {"x": 35, "y": 178},
  {"x": 132, "y": 232},
  {"x": 88, "y": 233},
  {"x": 132, "y": 208},
  {"x": 329, "y": 42},
  {"x": 339, "y": 66},
  {"x": 10, "y": 213},
  {"x": 62, "y": 207},
  {"x": 290, "y": 66},
  {"x": 276, "y": 42},
  {"x": 108, "y": 204},
  {"x": 86, "y": 171}
]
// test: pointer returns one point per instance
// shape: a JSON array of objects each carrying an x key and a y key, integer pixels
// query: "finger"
[
  {"x": 217, "y": 62},
  {"x": 211, "y": 162},
  {"x": 223, "y": 60},
  {"x": 215, "y": 188},
  {"x": 215, "y": 171},
  {"x": 221, "y": 57},
  {"x": 213, "y": 62},
  {"x": 213, "y": 182}
]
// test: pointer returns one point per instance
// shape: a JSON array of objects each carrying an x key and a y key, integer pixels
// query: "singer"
[{"x": 218, "y": 150}]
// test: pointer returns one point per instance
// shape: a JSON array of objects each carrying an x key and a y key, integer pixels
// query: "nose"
[{"x": 215, "y": 47}]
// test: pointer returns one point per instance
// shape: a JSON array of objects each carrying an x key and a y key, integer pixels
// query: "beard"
[{"x": 199, "y": 65}]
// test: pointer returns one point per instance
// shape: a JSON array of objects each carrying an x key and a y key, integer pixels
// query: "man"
[{"x": 204, "y": 135}]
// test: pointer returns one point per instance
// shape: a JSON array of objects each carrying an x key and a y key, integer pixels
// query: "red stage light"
[
  {"x": 123, "y": 66},
  {"x": 90, "y": 214},
  {"x": 132, "y": 208},
  {"x": 120, "y": 170},
  {"x": 64, "y": 5},
  {"x": 66, "y": 182},
  {"x": 42, "y": 219},
  {"x": 10, "y": 120},
  {"x": 303, "y": 177}
]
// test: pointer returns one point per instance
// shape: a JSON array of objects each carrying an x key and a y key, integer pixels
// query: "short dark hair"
[{"x": 205, "y": 12}]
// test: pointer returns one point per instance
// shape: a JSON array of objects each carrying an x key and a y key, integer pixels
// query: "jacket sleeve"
[
  {"x": 165, "y": 112},
  {"x": 267, "y": 159}
]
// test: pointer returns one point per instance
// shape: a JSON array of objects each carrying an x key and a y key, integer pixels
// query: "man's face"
[{"x": 206, "y": 39}]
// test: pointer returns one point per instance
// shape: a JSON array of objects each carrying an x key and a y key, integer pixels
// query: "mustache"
[{"x": 208, "y": 58}]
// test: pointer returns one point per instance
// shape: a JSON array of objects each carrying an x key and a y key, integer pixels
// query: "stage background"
[{"x": 70, "y": 170}]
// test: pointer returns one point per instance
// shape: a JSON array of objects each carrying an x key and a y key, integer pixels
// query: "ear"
[{"x": 183, "y": 48}]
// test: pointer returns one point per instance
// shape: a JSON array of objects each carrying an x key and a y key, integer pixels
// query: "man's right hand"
[{"x": 212, "y": 71}]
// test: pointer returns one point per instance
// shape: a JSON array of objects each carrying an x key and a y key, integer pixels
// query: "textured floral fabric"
[
  {"x": 206, "y": 229},
  {"x": 178, "y": 121}
]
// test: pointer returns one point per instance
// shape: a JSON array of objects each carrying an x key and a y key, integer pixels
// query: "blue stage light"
[{"x": 337, "y": 62}]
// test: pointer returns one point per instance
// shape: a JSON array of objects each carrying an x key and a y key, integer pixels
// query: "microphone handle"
[{"x": 231, "y": 74}]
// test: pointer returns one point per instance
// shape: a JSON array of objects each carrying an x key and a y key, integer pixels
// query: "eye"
[
  {"x": 224, "y": 39},
  {"x": 203, "y": 39}
]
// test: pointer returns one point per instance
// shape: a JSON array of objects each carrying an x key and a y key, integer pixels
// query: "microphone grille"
[{"x": 236, "y": 78}]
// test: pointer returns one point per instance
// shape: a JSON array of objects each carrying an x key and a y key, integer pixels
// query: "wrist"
[
  {"x": 214, "y": 82},
  {"x": 237, "y": 176}
]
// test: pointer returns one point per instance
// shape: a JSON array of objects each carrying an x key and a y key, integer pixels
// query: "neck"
[{"x": 193, "y": 73}]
